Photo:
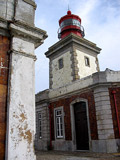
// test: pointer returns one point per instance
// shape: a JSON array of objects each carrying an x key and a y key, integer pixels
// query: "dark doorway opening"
[{"x": 81, "y": 126}]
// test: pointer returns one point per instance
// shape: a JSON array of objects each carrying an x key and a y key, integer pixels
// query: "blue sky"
[{"x": 101, "y": 21}]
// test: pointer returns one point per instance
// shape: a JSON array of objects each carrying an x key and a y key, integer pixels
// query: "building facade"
[
  {"x": 18, "y": 39},
  {"x": 81, "y": 109}
]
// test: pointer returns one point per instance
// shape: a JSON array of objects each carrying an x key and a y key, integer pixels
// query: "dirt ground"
[{"x": 58, "y": 155}]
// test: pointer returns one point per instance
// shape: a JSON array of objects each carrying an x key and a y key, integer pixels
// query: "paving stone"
[{"x": 58, "y": 155}]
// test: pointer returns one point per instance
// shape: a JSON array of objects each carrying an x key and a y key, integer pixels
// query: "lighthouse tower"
[
  {"x": 70, "y": 23},
  {"x": 73, "y": 57}
]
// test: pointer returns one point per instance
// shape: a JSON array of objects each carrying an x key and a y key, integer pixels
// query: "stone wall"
[
  {"x": 43, "y": 142},
  {"x": 4, "y": 67}
]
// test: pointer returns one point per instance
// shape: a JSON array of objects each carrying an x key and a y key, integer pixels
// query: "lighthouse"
[
  {"x": 80, "y": 103},
  {"x": 73, "y": 57},
  {"x": 70, "y": 23}
]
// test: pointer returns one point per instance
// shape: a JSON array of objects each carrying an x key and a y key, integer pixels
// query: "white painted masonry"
[
  {"x": 83, "y": 69},
  {"x": 62, "y": 76},
  {"x": 21, "y": 108},
  {"x": 23, "y": 46}
]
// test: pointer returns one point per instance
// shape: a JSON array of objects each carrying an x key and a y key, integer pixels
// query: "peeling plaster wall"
[
  {"x": 83, "y": 69},
  {"x": 21, "y": 108}
]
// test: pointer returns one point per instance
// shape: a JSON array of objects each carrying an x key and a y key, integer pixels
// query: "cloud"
[
  {"x": 85, "y": 8},
  {"x": 103, "y": 29}
]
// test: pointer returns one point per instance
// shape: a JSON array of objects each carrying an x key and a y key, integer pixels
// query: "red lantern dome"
[{"x": 70, "y": 23}]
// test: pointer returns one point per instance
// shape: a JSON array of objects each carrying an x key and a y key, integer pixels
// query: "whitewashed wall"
[
  {"x": 83, "y": 69},
  {"x": 62, "y": 76}
]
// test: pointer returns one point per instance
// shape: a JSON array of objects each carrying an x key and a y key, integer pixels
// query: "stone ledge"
[
  {"x": 42, "y": 96},
  {"x": 31, "y": 3},
  {"x": 25, "y": 31},
  {"x": 72, "y": 38},
  {"x": 24, "y": 54}
]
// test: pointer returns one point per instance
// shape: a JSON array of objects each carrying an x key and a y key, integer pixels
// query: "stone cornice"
[
  {"x": 72, "y": 38},
  {"x": 42, "y": 96},
  {"x": 25, "y": 31},
  {"x": 107, "y": 78},
  {"x": 34, "y": 34},
  {"x": 83, "y": 90},
  {"x": 31, "y": 3}
]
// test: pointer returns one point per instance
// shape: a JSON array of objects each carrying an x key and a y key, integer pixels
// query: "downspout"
[
  {"x": 116, "y": 109},
  {"x": 50, "y": 127}
]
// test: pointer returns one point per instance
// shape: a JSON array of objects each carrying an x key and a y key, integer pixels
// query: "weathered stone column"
[
  {"x": 17, "y": 26},
  {"x": 106, "y": 136},
  {"x": 21, "y": 101}
]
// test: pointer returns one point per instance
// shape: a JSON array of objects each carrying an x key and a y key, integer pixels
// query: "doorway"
[{"x": 81, "y": 126}]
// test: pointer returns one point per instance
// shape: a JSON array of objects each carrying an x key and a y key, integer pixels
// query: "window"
[
  {"x": 60, "y": 63},
  {"x": 68, "y": 22},
  {"x": 59, "y": 123},
  {"x": 87, "y": 62},
  {"x": 40, "y": 124}
]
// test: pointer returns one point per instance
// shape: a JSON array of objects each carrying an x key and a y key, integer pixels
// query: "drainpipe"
[
  {"x": 50, "y": 128},
  {"x": 116, "y": 109}
]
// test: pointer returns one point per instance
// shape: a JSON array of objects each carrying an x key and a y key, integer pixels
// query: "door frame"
[{"x": 73, "y": 131}]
